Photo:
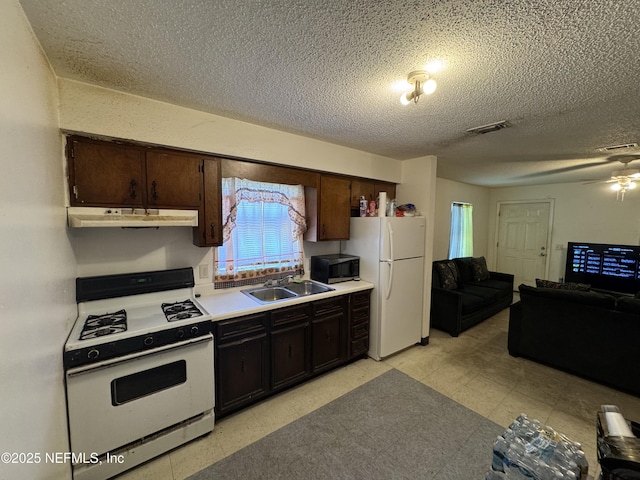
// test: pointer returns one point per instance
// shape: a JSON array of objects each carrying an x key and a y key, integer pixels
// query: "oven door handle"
[{"x": 145, "y": 353}]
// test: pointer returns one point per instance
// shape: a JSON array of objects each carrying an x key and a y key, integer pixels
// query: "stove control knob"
[
  {"x": 93, "y": 354},
  {"x": 194, "y": 330},
  {"x": 148, "y": 341},
  {"x": 180, "y": 334}
]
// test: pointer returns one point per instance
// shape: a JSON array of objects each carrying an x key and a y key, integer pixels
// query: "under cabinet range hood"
[{"x": 82, "y": 217}]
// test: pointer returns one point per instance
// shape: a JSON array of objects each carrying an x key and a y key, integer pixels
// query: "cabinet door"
[
  {"x": 389, "y": 188},
  {"x": 174, "y": 179},
  {"x": 242, "y": 372},
  {"x": 360, "y": 188},
  {"x": 105, "y": 174},
  {"x": 335, "y": 208},
  {"x": 290, "y": 355},
  {"x": 327, "y": 341},
  {"x": 209, "y": 230}
]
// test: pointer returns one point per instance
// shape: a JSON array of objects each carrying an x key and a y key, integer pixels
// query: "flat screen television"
[{"x": 604, "y": 266}]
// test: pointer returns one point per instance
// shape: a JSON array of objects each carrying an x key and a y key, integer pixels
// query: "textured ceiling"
[{"x": 563, "y": 73}]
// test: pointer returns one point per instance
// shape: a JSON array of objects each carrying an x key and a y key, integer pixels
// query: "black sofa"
[
  {"x": 475, "y": 295},
  {"x": 588, "y": 333}
]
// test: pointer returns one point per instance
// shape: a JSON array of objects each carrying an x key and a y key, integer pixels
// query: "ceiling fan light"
[
  {"x": 615, "y": 187},
  {"x": 631, "y": 185}
]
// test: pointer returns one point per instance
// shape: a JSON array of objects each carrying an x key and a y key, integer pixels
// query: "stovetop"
[
  {"x": 114, "y": 319},
  {"x": 128, "y": 313}
]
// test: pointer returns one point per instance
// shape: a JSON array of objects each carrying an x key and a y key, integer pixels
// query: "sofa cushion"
[
  {"x": 448, "y": 272},
  {"x": 584, "y": 298},
  {"x": 465, "y": 269},
  {"x": 582, "y": 287},
  {"x": 472, "y": 303},
  {"x": 628, "y": 304},
  {"x": 505, "y": 288},
  {"x": 480, "y": 270}
]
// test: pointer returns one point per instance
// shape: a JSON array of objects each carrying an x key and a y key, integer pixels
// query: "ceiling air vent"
[
  {"x": 491, "y": 127},
  {"x": 614, "y": 148}
]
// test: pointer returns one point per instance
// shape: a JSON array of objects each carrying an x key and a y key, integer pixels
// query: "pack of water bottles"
[{"x": 528, "y": 450}]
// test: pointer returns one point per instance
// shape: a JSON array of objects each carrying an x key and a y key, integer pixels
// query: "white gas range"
[{"x": 139, "y": 370}]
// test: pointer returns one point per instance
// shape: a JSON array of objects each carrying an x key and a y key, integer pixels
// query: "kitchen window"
[
  {"x": 461, "y": 236},
  {"x": 263, "y": 224}
]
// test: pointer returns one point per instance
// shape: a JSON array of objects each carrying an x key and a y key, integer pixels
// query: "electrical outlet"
[{"x": 203, "y": 270}]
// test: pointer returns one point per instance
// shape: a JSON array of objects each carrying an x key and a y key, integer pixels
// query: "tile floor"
[{"x": 474, "y": 369}]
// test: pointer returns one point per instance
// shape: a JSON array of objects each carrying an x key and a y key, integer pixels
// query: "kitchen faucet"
[{"x": 279, "y": 282}]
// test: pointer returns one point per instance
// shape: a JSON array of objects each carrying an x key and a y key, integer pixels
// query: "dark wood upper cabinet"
[
  {"x": 105, "y": 174},
  {"x": 328, "y": 209},
  {"x": 370, "y": 189},
  {"x": 174, "y": 179},
  {"x": 208, "y": 233},
  {"x": 112, "y": 174}
]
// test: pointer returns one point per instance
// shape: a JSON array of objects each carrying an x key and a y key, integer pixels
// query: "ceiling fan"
[{"x": 624, "y": 179}]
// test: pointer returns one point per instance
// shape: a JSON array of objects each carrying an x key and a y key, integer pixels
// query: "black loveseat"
[
  {"x": 464, "y": 293},
  {"x": 591, "y": 334}
]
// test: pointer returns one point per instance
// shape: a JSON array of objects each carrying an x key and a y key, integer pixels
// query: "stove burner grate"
[
  {"x": 106, "y": 324},
  {"x": 180, "y": 310}
]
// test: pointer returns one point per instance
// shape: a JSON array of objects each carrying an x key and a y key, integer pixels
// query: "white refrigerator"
[{"x": 391, "y": 251}]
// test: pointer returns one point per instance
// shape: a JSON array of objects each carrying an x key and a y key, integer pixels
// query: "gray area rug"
[{"x": 392, "y": 427}]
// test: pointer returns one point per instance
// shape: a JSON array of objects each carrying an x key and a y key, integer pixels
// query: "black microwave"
[{"x": 335, "y": 268}]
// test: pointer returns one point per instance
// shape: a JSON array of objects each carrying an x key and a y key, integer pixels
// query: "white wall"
[
  {"x": 447, "y": 192},
  {"x": 419, "y": 187},
  {"x": 90, "y": 109},
  {"x": 583, "y": 213},
  {"x": 37, "y": 305}
]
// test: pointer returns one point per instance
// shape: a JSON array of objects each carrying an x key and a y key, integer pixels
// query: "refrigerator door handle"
[
  {"x": 390, "y": 281},
  {"x": 390, "y": 230}
]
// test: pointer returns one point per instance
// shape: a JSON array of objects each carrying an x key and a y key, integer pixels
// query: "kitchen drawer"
[
  {"x": 359, "y": 330},
  {"x": 233, "y": 328},
  {"x": 288, "y": 315},
  {"x": 328, "y": 306},
  {"x": 360, "y": 315},
  {"x": 359, "y": 347},
  {"x": 360, "y": 299}
]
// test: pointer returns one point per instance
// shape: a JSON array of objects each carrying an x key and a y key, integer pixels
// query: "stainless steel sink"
[
  {"x": 269, "y": 294},
  {"x": 290, "y": 290},
  {"x": 307, "y": 287}
]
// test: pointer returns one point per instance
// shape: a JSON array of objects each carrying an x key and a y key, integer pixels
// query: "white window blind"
[{"x": 263, "y": 225}]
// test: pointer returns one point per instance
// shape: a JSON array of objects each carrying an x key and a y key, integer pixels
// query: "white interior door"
[{"x": 523, "y": 240}]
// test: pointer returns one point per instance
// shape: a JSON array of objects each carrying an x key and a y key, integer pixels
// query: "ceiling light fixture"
[
  {"x": 421, "y": 83},
  {"x": 624, "y": 180}
]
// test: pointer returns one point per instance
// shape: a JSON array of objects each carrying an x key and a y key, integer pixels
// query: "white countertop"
[{"x": 231, "y": 302}]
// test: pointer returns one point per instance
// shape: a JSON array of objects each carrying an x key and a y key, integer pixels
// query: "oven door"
[{"x": 118, "y": 401}]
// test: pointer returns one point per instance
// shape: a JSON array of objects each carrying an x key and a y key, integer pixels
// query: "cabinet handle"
[
  {"x": 132, "y": 188},
  {"x": 328, "y": 337},
  {"x": 324, "y": 230},
  {"x": 213, "y": 230},
  {"x": 154, "y": 190}
]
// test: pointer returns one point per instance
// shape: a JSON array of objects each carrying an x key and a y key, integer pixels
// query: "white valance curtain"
[{"x": 263, "y": 224}]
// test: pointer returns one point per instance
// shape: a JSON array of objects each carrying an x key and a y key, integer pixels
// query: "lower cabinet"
[
  {"x": 290, "y": 352},
  {"x": 241, "y": 361},
  {"x": 260, "y": 354},
  {"x": 329, "y": 329}
]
